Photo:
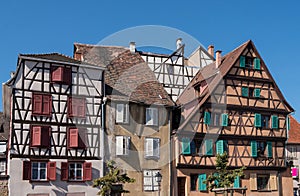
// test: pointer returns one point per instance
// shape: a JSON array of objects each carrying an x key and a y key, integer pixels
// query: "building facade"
[{"x": 4, "y": 137}]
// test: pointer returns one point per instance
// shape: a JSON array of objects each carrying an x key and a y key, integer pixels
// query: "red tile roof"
[{"x": 294, "y": 132}]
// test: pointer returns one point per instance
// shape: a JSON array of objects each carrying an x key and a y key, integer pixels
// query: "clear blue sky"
[{"x": 53, "y": 26}]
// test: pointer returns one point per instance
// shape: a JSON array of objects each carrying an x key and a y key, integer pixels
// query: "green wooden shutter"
[
  {"x": 220, "y": 146},
  {"x": 257, "y": 120},
  {"x": 257, "y": 92},
  {"x": 270, "y": 150},
  {"x": 207, "y": 118},
  {"x": 209, "y": 147},
  {"x": 257, "y": 63},
  {"x": 186, "y": 149},
  {"x": 253, "y": 148},
  {"x": 274, "y": 122},
  {"x": 201, "y": 185},
  {"x": 216, "y": 181},
  {"x": 245, "y": 91},
  {"x": 236, "y": 183},
  {"x": 242, "y": 61},
  {"x": 224, "y": 120},
  {"x": 288, "y": 125}
]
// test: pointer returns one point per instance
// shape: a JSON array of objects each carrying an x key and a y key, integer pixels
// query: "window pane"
[
  {"x": 43, "y": 174},
  {"x": 34, "y": 175}
]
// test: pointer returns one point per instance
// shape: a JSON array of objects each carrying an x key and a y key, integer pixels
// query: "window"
[
  {"x": 76, "y": 171},
  {"x": 122, "y": 145},
  {"x": 151, "y": 116},
  {"x": 39, "y": 171},
  {"x": 248, "y": 62},
  {"x": 2, "y": 147},
  {"x": 122, "y": 113},
  {"x": 61, "y": 75},
  {"x": 41, "y": 104},
  {"x": 263, "y": 182},
  {"x": 292, "y": 152},
  {"x": 76, "y": 107},
  {"x": 261, "y": 149},
  {"x": 208, "y": 147},
  {"x": 40, "y": 136},
  {"x": 194, "y": 179},
  {"x": 207, "y": 118},
  {"x": 216, "y": 119},
  {"x": 265, "y": 121},
  {"x": 221, "y": 146},
  {"x": 150, "y": 183},
  {"x": 152, "y": 146},
  {"x": 2, "y": 167},
  {"x": 77, "y": 138},
  {"x": 245, "y": 91}
]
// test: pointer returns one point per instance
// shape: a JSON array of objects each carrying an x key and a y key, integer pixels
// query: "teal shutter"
[
  {"x": 274, "y": 122},
  {"x": 216, "y": 181},
  {"x": 193, "y": 147},
  {"x": 186, "y": 149},
  {"x": 201, "y": 185},
  {"x": 242, "y": 61},
  {"x": 236, "y": 183},
  {"x": 224, "y": 120},
  {"x": 288, "y": 125},
  {"x": 209, "y": 147},
  {"x": 270, "y": 150},
  {"x": 253, "y": 148},
  {"x": 245, "y": 91},
  {"x": 257, "y": 92},
  {"x": 207, "y": 118},
  {"x": 257, "y": 120},
  {"x": 257, "y": 64},
  {"x": 220, "y": 146}
]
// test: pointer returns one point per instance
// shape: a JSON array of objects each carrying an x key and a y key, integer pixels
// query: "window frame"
[
  {"x": 3, "y": 167},
  {"x": 41, "y": 103},
  {"x": 153, "y": 185},
  {"x": 50, "y": 170},
  {"x": 125, "y": 113},
  {"x": 267, "y": 185},
  {"x": 155, "y": 151},
  {"x": 38, "y": 168},
  {"x": 125, "y": 145},
  {"x": 265, "y": 121},
  {"x": 86, "y": 172},
  {"x": 76, "y": 169},
  {"x": 45, "y": 136},
  {"x": 154, "y": 113}
]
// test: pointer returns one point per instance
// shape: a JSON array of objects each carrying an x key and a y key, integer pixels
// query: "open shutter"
[
  {"x": 257, "y": 64},
  {"x": 207, "y": 118},
  {"x": 193, "y": 147},
  {"x": 87, "y": 171},
  {"x": 253, "y": 148},
  {"x": 119, "y": 113},
  {"x": 156, "y": 145},
  {"x": 127, "y": 145},
  {"x": 269, "y": 149},
  {"x": 57, "y": 74},
  {"x": 46, "y": 136},
  {"x": 257, "y": 120},
  {"x": 186, "y": 148},
  {"x": 288, "y": 125},
  {"x": 201, "y": 184},
  {"x": 71, "y": 109},
  {"x": 209, "y": 147},
  {"x": 253, "y": 182},
  {"x": 224, "y": 120},
  {"x": 220, "y": 146},
  {"x": 257, "y": 92},
  {"x": 37, "y": 104},
  {"x": 26, "y": 170},
  {"x": 73, "y": 137},
  {"x": 155, "y": 116},
  {"x": 47, "y": 104},
  {"x": 236, "y": 183},
  {"x": 274, "y": 122},
  {"x": 51, "y": 170},
  {"x": 119, "y": 145},
  {"x": 81, "y": 107},
  {"x": 36, "y": 135},
  {"x": 216, "y": 181},
  {"x": 273, "y": 181},
  {"x": 64, "y": 171},
  {"x": 149, "y": 147},
  {"x": 245, "y": 91},
  {"x": 242, "y": 61}
]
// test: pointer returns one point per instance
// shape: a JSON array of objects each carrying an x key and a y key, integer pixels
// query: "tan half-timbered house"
[
  {"x": 56, "y": 111},
  {"x": 233, "y": 105}
]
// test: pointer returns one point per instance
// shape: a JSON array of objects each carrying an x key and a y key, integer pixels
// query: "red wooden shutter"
[
  {"x": 67, "y": 75},
  {"x": 72, "y": 108},
  {"x": 87, "y": 171},
  {"x": 47, "y": 106},
  {"x": 36, "y": 136},
  {"x": 26, "y": 170},
  {"x": 81, "y": 108},
  {"x": 46, "y": 130},
  {"x": 64, "y": 171},
  {"x": 37, "y": 104},
  {"x": 73, "y": 137},
  {"x": 57, "y": 74},
  {"x": 82, "y": 138},
  {"x": 51, "y": 170}
]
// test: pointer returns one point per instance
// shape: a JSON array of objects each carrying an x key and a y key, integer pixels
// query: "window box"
[{"x": 41, "y": 104}]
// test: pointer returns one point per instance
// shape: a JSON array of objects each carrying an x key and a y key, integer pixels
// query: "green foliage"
[
  {"x": 223, "y": 177},
  {"x": 113, "y": 177}
]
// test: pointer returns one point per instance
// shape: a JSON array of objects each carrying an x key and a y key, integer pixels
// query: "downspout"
[
  {"x": 171, "y": 151},
  {"x": 102, "y": 129}
]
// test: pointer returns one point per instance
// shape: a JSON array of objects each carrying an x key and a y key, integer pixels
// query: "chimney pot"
[
  {"x": 218, "y": 58},
  {"x": 178, "y": 43},
  {"x": 211, "y": 50},
  {"x": 132, "y": 47}
]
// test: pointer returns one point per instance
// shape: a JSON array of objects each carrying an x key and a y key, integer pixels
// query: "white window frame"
[
  {"x": 39, "y": 168},
  {"x": 152, "y": 116},
  {"x": 293, "y": 151},
  {"x": 149, "y": 182},
  {"x": 122, "y": 145},
  {"x": 2, "y": 147},
  {"x": 152, "y": 148},
  {"x": 76, "y": 168},
  {"x": 2, "y": 167},
  {"x": 122, "y": 113}
]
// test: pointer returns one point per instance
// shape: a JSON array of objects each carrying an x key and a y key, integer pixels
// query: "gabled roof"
[
  {"x": 294, "y": 132},
  {"x": 213, "y": 76}
]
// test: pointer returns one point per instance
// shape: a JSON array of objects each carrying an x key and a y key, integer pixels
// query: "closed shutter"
[
  {"x": 119, "y": 145},
  {"x": 73, "y": 137},
  {"x": 81, "y": 105},
  {"x": 288, "y": 125},
  {"x": 51, "y": 170},
  {"x": 71, "y": 107},
  {"x": 269, "y": 149},
  {"x": 120, "y": 113},
  {"x": 224, "y": 120},
  {"x": 57, "y": 74},
  {"x": 193, "y": 147},
  {"x": 64, "y": 171},
  {"x": 207, "y": 118},
  {"x": 274, "y": 122},
  {"x": 47, "y": 104},
  {"x": 242, "y": 61},
  {"x": 209, "y": 147},
  {"x": 220, "y": 146},
  {"x": 156, "y": 145},
  {"x": 201, "y": 184},
  {"x": 26, "y": 170},
  {"x": 257, "y": 64},
  {"x": 236, "y": 183},
  {"x": 185, "y": 144},
  {"x": 87, "y": 171},
  {"x": 257, "y": 92},
  {"x": 36, "y": 136},
  {"x": 46, "y": 130},
  {"x": 273, "y": 181},
  {"x": 149, "y": 147},
  {"x": 245, "y": 91},
  {"x": 253, "y": 181},
  {"x": 257, "y": 120},
  {"x": 37, "y": 104},
  {"x": 253, "y": 148}
]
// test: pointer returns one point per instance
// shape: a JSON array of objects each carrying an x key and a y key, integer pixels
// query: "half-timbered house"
[
  {"x": 233, "y": 105},
  {"x": 56, "y": 124},
  {"x": 4, "y": 137}
]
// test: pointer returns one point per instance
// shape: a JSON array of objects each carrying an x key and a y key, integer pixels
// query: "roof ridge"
[
  {"x": 95, "y": 45},
  {"x": 45, "y": 54}
]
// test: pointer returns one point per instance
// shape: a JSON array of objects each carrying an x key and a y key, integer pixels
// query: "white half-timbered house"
[{"x": 56, "y": 118}]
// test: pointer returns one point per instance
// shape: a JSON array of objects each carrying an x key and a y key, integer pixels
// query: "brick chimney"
[
  {"x": 78, "y": 56},
  {"x": 178, "y": 43},
  {"x": 132, "y": 47},
  {"x": 211, "y": 50},
  {"x": 218, "y": 58}
]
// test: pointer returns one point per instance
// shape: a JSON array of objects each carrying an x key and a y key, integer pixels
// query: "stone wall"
[{"x": 3, "y": 187}]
